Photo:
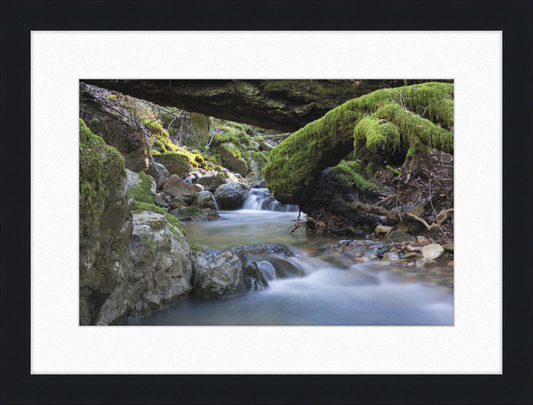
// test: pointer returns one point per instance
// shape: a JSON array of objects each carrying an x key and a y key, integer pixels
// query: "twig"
[
  {"x": 436, "y": 181},
  {"x": 384, "y": 200}
]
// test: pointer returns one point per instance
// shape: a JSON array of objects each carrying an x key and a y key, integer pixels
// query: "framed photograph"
[{"x": 339, "y": 334}]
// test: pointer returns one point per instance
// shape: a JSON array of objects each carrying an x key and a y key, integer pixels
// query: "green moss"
[
  {"x": 174, "y": 223},
  {"x": 414, "y": 129},
  {"x": 378, "y": 134},
  {"x": 377, "y": 120},
  {"x": 349, "y": 174},
  {"x": 142, "y": 192},
  {"x": 98, "y": 164},
  {"x": 295, "y": 161},
  {"x": 370, "y": 170},
  {"x": 196, "y": 249},
  {"x": 156, "y": 224}
]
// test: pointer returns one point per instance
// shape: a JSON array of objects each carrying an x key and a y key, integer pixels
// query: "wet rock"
[
  {"x": 432, "y": 251},
  {"x": 391, "y": 257},
  {"x": 267, "y": 249},
  {"x": 410, "y": 248},
  {"x": 220, "y": 273},
  {"x": 381, "y": 251},
  {"x": 257, "y": 181},
  {"x": 231, "y": 196},
  {"x": 284, "y": 267},
  {"x": 158, "y": 172},
  {"x": 399, "y": 236}
]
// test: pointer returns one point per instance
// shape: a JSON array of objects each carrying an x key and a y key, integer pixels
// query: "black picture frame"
[{"x": 19, "y": 18}]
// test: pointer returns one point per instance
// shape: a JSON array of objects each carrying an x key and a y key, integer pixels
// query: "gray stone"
[
  {"x": 105, "y": 232},
  {"x": 232, "y": 195},
  {"x": 157, "y": 270},
  {"x": 220, "y": 273},
  {"x": 177, "y": 202},
  {"x": 400, "y": 236},
  {"x": 448, "y": 246},
  {"x": 204, "y": 199},
  {"x": 158, "y": 172},
  {"x": 160, "y": 201}
]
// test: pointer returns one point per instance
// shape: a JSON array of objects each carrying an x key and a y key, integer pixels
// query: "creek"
[{"x": 337, "y": 288}]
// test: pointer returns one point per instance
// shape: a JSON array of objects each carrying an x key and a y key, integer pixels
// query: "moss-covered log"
[
  {"x": 284, "y": 105},
  {"x": 384, "y": 122}
]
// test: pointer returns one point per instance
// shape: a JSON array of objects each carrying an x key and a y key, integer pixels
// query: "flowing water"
[{"x": 335, "y": 289}]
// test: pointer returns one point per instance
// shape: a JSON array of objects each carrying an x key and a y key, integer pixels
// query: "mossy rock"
[
  {"x": 212, "y": 181},
  {"x": 176, "y": 163},
  {"x": 233, "y": 158},
  {"x": 195, "y": 214},
  {"x": 102, "y": 173}
]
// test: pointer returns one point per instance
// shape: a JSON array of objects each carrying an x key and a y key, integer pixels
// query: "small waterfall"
[{"x": 261, "y": 199}]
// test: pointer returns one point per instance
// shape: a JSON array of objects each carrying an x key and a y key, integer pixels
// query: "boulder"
[
  {"x": 231, "y": 196},
  {"x": 176, "y": 187},
  {"x": 432, "y": 251},
  {"x": 129, "y": 141},
  {"x": 136, "y": 179},
  {"x": 157, "y": 270},
  {"x": 176, "y": 163},
  {"x": 232, "y": 157},
  {"x": 204, "y": 199},
  {"x": 214, "y": 180},
  {"x": 220, "y": 273},
  {"x": 158, "y": 172},
  {"x": 105, "y": 223}
]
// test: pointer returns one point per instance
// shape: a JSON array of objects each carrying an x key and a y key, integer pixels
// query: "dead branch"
[
  {"x": 384, "y": 200},
  {"x": 432, "y": 226}
]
